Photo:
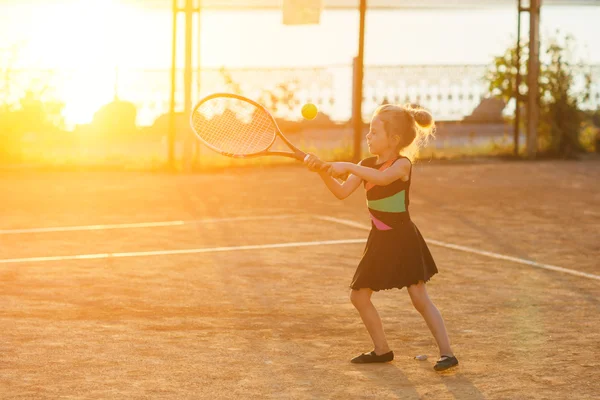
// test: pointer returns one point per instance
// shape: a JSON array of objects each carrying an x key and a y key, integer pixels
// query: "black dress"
[{"x": 396, "y": 254}]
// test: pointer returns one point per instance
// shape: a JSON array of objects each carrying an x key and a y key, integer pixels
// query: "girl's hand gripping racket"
[{"x": 236, "y": 126}]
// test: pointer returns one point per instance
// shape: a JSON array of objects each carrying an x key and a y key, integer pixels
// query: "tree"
[
  {"x": 31, "y": 115},
  {"x": 116, "y": 119},
  {"x": 280, "y": 98},
  {"x": 560, "y": 93},
  {"x": 283, "y": 97},
  {"x": 230, "y": 82},
  {"x": 35, "y": 112}
]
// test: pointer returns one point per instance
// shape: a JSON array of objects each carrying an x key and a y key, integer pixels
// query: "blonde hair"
[{"x": 413, "y": 124}]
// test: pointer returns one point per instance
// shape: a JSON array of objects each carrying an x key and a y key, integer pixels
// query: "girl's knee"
[
  {"x": 419, "y": 297},
  {"x": 360, "y": 297}
]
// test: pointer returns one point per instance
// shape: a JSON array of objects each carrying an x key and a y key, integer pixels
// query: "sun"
[{"x": 79, "y": 38}]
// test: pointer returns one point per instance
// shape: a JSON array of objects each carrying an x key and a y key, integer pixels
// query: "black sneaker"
[
  {"x": 445, "y": 362},
  {"x": 373, "y": 358}
]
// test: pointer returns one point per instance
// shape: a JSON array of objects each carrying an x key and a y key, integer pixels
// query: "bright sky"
[{"x": 106, "y": 34}]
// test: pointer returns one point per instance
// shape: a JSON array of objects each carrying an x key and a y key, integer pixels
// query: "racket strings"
[{"x": 233, "y": 126}]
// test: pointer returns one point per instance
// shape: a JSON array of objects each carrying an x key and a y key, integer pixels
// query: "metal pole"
[
  {"x": 518, "y": 83},
  {"x": 187, "y": 80},
  {"x": 199, "y": 37},
  {"x": 199, "y": 70},
  {"x": 358, "y": 85},
  {"x": 171, "y": 138},
  {"x": 533, "y": 78}
]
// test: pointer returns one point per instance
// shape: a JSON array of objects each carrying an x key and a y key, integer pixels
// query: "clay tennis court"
[{"x": 234, "y": 285}]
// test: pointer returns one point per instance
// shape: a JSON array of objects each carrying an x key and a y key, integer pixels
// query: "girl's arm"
[
  {"x": 399, "y": 170},
  {"x": 339, "y": 190},
  {"x": 343, "y": 190}
]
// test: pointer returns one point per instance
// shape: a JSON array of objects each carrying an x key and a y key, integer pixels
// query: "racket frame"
[{"x": 297, "y": 153}]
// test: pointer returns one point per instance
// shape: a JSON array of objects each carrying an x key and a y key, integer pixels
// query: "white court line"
[
  {"x": 135, "y": 225},
  {"x": 183, "y": 251},
  {"x": 474, "y": 251}
]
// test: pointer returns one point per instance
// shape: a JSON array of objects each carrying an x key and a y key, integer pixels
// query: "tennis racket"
[{"x": 236, "y": 126}]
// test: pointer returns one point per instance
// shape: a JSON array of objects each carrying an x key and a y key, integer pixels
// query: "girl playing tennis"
[{"x": 396, "y": 254}]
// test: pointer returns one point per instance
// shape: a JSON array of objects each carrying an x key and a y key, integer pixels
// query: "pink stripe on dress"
[{"x": 378, "y": 224}]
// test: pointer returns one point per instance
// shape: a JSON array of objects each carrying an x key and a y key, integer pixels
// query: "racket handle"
[
  {"x": 302, "y": 156},
  {"x": 320, "y": 164}
]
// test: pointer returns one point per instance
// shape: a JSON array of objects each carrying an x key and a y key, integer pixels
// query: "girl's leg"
[
  {"x": 361, "y": 299},
  {"x": 432, "y": 316}
]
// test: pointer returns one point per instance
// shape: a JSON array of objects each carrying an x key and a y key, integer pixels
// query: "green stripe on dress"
[{"x": 395, "y": 203}]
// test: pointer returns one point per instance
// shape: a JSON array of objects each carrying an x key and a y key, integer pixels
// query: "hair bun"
[{"x": 422, "y": 118}]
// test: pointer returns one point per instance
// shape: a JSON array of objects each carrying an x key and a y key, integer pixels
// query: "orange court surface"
[{"x": 234, "y": 285}]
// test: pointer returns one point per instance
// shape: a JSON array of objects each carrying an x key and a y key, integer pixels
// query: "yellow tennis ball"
[{"x": 309, "y": 111}]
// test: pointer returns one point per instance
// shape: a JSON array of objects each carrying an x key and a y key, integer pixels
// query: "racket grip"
[{"x": 320, "y": 164}]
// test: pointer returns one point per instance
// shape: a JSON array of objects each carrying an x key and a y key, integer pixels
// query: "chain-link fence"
[{"x": 451, "y": 92}]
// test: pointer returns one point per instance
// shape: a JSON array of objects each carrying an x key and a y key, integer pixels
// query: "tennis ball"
[{"x": 309, "y": 111}]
